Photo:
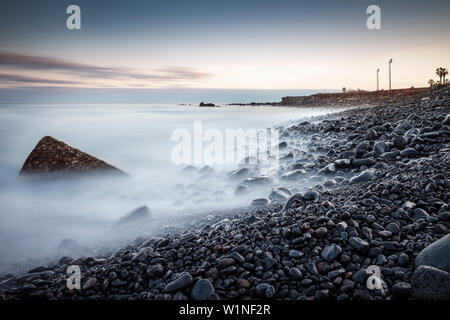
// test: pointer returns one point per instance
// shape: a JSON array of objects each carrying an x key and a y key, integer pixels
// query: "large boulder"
[
  {"x": 436, "y": 255},
  {"x": 53, "y": 156},
  {"x": 430, "y": 283}
]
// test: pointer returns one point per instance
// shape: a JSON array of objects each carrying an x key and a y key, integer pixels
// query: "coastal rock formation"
[
  {"x": 356, "y": 98},
  {"x": 53, "y": 156},
  {"x": 202, "y": 104}
]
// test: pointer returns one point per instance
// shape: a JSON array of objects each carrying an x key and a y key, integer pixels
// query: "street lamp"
[
  {"x": 390, "y": 62},
  {"x": 378, "y": 79}
]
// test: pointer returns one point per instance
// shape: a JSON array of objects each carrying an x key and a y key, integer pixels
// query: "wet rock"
[
  {"x": 187, "y": 237},
  {"x": 401, "y": 289},
  {"x": 261, "y": 202},
  {"x": 329, "y": 169},
  {"x": 293, "y": 175},
  {"x": 53, "y": 156},
  {"x": 90, "y": 283},
  {"x": 364, "y": 176},
  {"x": 393, "y": 227},
  {"x": 359, "y": 244},
  {"x": 342, "y": 163},
  {"x": 265, "y": 290},
  {"x": 420, "y": 214},
  {"x": 380, "y": 147},
  {"x": 436, "y": 255},
  {"x": 202, "y": 290},
  {"x": 331, "y": 252},
  {"x": 295, "y": 273},
  {"x": 295, "y": 254},
  {"x": 400, "y": 142},
  {"x": 430, "y": 283},
  {"x": 409, "y": 153},
  {"x": 156, "y": 270},
  {"x": 446, "y": 120},
  {"x": 311, "y": 195},
  {"x": 258, "y": 181},
  {"x": 184, "y": 280},
  {"x": 298, "y": 197},
  {"x": 138, "y": 215},
  {"x": 278, "y": 195}
]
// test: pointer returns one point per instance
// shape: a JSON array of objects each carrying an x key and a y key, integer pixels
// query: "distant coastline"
[{"x": 346, "y": 99}]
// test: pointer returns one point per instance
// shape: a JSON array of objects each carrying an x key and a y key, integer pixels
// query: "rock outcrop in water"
[{"x": 53, "y": 156}]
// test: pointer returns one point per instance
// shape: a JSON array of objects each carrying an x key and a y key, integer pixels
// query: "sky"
[{"x": 209, "y": 44}]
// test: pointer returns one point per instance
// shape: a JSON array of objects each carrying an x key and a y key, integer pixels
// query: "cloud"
[
  {"x": 28, "y": 62},
  {"x": 7, "y": 77}
]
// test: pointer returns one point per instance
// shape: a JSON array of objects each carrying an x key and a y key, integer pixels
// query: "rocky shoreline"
[
  {"x": 383, "y": 208},
  {"x": 347, "y": 99}
]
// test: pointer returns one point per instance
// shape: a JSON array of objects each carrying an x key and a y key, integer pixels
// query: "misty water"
[{"x": 36, "y": 215}]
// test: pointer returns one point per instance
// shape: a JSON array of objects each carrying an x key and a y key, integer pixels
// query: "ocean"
[{"x": 37, "y": 215}]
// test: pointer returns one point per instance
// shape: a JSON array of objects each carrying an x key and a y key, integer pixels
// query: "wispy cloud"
[
  {"x": 7, "y": 77},
  {"x": 81, "y": 71}
]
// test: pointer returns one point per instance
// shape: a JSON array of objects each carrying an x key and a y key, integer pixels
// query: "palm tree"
[
  {"x": 431, "y": 83},
  {"x": 442, "y": 72},
  {"x": 439, "y": 74}
]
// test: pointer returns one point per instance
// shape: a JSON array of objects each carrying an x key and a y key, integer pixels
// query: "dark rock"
[
  {"x": 436, "y": 255},
  {"x": 54, "y": 156},
  {"x": 401, "y": 289},
  {"x": 184, "y": 280},
  {"x": 400, "y": 142},
  {"x": 409, "y": 153},
  {"x": 208, "y": 104},
  {"x": 380, "y": 147},
  {"x": 202, "y": 290},
  {"x": 359, "y": 244},
  {"x": 430, "y": 283},
  {"x": 293, "y": 175},
  {"x": 420, "y": 214},
  {"x": 331, "y": 252},
  {"x": 366, "y": 175},
  {"x": 268, "y": 263},
  {"x": 261, "y": 202},
  {"x": 295, "y": 254},
  {"x": 138, "y": 215},
  {"x": 295, "y": 273},
  {"x": 298, "y": 197},
  {"x": 265, "y": 290},
  {"x": 311, "y": 195}
]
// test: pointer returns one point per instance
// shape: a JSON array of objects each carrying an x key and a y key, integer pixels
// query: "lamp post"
[
  {"x": 378, "y": 79},
  {"x": 390, "y": 62}
]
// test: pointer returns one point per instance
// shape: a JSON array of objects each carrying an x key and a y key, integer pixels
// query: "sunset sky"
[{"x": 246, "y": 44}]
